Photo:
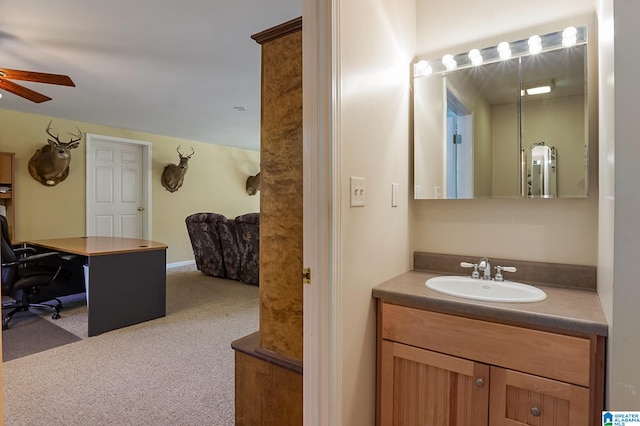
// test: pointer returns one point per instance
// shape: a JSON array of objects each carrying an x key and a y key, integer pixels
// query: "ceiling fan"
[{"x": 6, "y": 75}]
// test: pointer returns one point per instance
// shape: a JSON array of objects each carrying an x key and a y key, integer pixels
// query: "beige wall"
[
  {"x": 376, "y": 48},
  {"x": 542, "y": 230},
  {"x": 214, "y": 182}
]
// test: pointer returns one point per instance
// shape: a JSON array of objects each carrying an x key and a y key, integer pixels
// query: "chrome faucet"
[{"x": 485, "y": 266}]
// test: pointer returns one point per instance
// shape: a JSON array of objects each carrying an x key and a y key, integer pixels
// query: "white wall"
[
  {"x": 619, "y": 229},
  {"x": 375, "y": 50}
]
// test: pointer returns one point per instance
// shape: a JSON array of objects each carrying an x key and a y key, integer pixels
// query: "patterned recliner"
[
  {"x": 227, "y": 248},
  {"x": 248, "y": 231},
  {"x": 231, "y": 251},
  {"x": 205, "y": 240}
]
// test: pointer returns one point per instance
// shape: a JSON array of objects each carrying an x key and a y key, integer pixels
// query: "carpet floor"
[{"x": 176, "y": 370}]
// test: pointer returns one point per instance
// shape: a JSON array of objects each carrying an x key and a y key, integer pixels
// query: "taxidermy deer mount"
[
  {"x": 50, "y": 164},
  {"x": 253, "y": 184},
  {"x": 173, "y": 174}
]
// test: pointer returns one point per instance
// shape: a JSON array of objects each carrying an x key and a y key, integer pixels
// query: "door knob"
[{"x": 140, "y": 209}]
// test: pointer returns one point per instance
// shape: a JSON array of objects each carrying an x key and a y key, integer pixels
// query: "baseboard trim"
[{"x": 178, "y": 264}]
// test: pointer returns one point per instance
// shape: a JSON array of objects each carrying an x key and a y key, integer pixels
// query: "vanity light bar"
[{"x": 570, "y": 36}]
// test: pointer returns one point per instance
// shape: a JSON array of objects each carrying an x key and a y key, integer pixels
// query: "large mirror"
[{"x": 479, "y": 115}]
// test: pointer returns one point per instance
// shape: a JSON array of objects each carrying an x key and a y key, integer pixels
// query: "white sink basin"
[{"x": 490, "y": 291}]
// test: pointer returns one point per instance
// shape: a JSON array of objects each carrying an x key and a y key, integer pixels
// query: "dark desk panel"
[{"x": 126, "y": 278}]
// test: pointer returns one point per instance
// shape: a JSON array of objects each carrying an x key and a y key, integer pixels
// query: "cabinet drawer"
[
  {"x": 523, "y": 399},
  {"x": 545, "y": 354}
]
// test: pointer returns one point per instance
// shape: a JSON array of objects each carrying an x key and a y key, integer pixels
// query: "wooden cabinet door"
[
  {"x": 519, "y": 399},
  {"x": 6, "y": 168},
  {"x": 421, "y": 387}
]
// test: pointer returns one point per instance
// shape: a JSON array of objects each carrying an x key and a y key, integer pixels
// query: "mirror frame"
[{"x": 518, "y": 49}]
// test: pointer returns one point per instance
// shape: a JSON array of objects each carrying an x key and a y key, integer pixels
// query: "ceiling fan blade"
[
  {"x": 38, "y": 77},
  {"x": 19, "y": 90}
]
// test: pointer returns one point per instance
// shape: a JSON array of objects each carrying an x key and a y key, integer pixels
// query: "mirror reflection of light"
[
  {"x": 569, "y": 36},
  {"x": 535, "y": 44},
  {"x": 475, "y": 57},
  {"x": 504, "y": 50},
  {"x": 449, "y": 62}
]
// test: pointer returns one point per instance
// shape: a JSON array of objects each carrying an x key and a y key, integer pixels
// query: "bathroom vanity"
[{"x": 445, "y": 360}]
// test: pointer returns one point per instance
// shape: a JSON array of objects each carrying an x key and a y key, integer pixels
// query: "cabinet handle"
[
  {"x": 535, "y": 411},
  {"x": 479, "y": 383}
]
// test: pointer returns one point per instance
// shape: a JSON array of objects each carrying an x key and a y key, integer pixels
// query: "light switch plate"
[
  {"x": 394, "y": 195},
  {"x": 358, "y": 193}
]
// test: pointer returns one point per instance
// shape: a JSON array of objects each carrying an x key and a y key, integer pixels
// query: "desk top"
[{"x": 95, "y": 246}]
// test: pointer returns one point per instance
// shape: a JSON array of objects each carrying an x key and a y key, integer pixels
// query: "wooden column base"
[{"x": 268, "y": 387}]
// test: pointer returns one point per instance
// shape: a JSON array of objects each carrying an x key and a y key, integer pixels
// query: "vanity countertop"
[{"x": 563, "y": 309}]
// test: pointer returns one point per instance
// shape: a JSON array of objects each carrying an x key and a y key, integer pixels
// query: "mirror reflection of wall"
[
  {"x": 503, "y": 118},
  {"x": 558, "y": 117}
]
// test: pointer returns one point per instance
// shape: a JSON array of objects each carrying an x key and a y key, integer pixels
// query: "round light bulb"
[
  {"x": 449, "y": 62},
  {"x": 422, "y": 68},
  {"x": 504, "y": 50},
  {"x": 569, "y": 36},
  {"x": 475, "y": 57},
  {"x": 535, "y": 44}
]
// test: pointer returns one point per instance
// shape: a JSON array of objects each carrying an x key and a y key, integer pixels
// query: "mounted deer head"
[
  {"x": 253, "y": 184},
  {"x": 173, "y": 174},
  {"x": 50, "y": 164}
]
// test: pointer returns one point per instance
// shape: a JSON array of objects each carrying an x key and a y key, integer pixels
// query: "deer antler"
[
  {"x": 75, "y": 138},
  {"x": 50, "y": 134},
  {"x": 187, "y": 156}
]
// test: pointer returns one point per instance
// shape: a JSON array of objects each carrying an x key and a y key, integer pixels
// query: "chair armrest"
[
  {"x": 19, "y": 251},
  {"x": 34, "y": 258}
]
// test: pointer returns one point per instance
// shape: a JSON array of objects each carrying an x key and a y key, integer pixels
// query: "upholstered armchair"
[
  {"x": 227, "y": 248},
  {"x": 248, "y": 231},
  {"x": 230, "y": 249},
  {"x": 205, "y": 241}
]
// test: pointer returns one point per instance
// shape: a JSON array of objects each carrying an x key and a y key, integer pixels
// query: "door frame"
[
  {"x": 322, "y": 301},
  {"x": 91, "y": 140}
]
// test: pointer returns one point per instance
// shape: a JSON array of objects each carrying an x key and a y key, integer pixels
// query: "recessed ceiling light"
[{"x": 539, "y": 87}]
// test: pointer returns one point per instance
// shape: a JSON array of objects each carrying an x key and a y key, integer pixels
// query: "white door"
[{"x": 117, "y": 179}]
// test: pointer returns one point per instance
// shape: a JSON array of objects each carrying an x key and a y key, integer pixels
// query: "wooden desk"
[{"x": 126, "y": 278}]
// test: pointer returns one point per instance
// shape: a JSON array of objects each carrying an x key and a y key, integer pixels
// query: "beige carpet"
[{"x": 176, "y": 370}]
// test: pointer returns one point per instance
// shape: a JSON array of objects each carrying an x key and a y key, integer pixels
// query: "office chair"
[{"x": 25, "y": 277}]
